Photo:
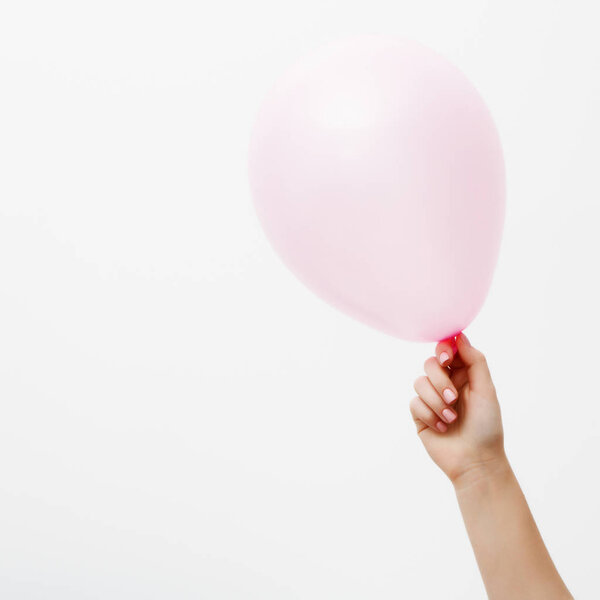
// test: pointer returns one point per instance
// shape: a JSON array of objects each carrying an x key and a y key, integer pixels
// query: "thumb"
[{"x": 477, "y": 368}]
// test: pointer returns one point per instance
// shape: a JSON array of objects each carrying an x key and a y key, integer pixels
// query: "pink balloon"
[{"x": 378, "y": 176}]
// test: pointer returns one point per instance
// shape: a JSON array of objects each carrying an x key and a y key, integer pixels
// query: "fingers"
[
  {"x": 424, "y": 417},
  {"x": 429, "y": 395},
  {"x": 474, "y": 360},
  {"x": 445, "y": 351},
  {"x": 440, "y": 378}
]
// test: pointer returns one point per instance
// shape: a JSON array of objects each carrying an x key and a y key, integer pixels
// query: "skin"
[{"x": 458, "y": 420}]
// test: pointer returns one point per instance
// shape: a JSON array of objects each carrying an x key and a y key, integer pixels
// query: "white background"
[{"x": 179, "y": 417}]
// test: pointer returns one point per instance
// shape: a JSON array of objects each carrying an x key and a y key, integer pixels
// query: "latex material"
[{"x": 378, "y": 176}]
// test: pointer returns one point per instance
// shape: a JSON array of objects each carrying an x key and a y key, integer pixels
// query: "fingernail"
[
  {"x": 442, "y": 426},
  {"x": 444, "y": 356},
  {"x": 449, "y": 415},
  {"x": 449, "y": 395}
]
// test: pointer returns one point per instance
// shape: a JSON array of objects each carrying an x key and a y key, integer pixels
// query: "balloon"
[{"x": 377, "y": 174}]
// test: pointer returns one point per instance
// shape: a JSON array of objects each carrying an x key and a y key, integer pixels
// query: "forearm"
[{"x": 509, "y": 549}]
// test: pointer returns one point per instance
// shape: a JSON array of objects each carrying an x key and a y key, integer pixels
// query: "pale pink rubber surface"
[{"x": 378, "y": 176}]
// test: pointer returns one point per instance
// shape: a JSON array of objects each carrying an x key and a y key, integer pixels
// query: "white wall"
[{"x": 179, "y": 417}]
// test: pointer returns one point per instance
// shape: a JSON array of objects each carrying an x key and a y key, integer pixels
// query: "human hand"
[{"x": 457, "y": 412}]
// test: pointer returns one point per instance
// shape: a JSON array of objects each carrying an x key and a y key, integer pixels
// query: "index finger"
[{"x": 447, "y": 353}]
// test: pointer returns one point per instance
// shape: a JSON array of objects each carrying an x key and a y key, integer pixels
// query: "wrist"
[{"x": 483, "y": 471}]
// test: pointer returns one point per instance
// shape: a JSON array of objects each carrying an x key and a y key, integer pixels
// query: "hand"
[{"x": 457, "y": 412}]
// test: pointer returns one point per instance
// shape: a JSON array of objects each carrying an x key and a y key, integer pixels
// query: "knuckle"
[
  {"x": 431, "y": 419},
  {"x": 419, "y": 383},
  {"x": 480, "y": 357},
  {"x": 430, "y": 363},
  {"x": 417, "y": 408}
]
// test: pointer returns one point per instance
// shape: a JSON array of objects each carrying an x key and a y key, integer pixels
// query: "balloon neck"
[{"x": 452, "y": 340}]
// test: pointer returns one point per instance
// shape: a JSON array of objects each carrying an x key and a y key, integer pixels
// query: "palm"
[{"x": 477, "y": 430}]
